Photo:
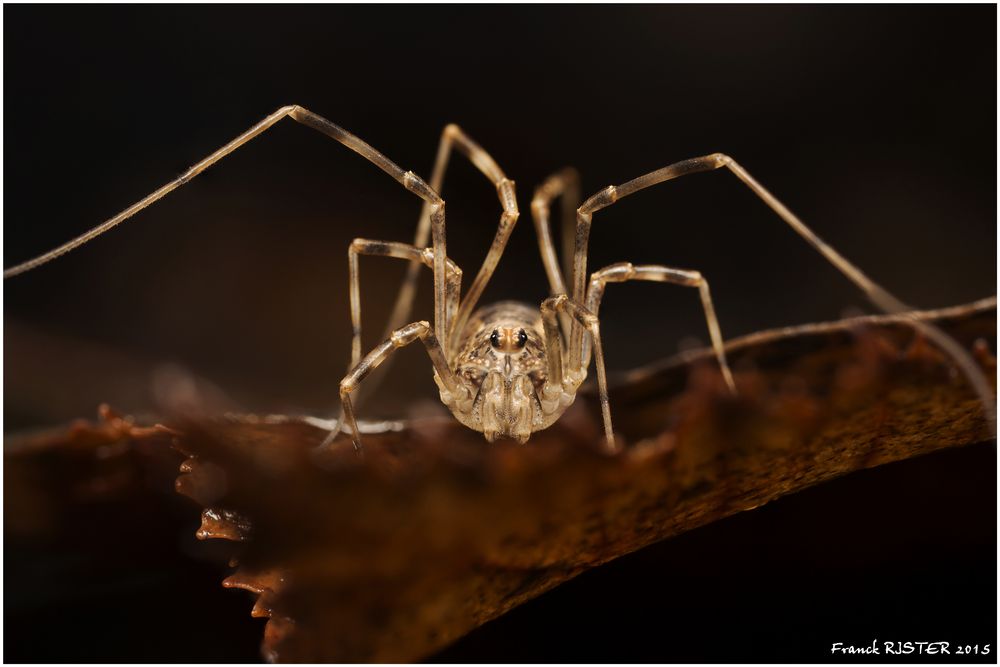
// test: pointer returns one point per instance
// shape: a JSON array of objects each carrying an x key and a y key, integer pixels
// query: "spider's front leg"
[
  {"x": 453, "y": 279},
  {"x": 564, "y": 379},
  {"x": 398, "y": 250},
  {"x": 624, "y": 271},
  {"x": 453, "y": 139},
  {"x": 400, "y": 337}
]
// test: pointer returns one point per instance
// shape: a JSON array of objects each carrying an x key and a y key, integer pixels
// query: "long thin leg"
[
  {"x": 423, "y": 256},
  {"x": 433, "y": 203},
  {"x": 619, "y": 273},
  {"x": 408, "y": 179},
  {"x": 452, "y": 138},
  {"x": 562, "y": 378},
  {"x": 564, "y": 184},
  {"x": 399, "y": 338},
  {"x": 432, "y": 216},
  {"x": 508, "y": 218},
  {"x": 877, "y": 294},
  {"x": 408, "y": 290}
]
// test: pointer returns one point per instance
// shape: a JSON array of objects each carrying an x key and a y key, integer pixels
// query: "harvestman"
[{"x": 509, "y": 369}]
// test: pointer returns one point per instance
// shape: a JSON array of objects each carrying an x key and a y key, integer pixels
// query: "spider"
[{"x": 510, "y": 369}]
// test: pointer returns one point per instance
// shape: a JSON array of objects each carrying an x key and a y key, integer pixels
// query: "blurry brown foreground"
[{"x": 396, "y": 554}]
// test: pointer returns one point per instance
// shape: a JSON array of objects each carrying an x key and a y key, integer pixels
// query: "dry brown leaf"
[{"x": 434, "y": 532}]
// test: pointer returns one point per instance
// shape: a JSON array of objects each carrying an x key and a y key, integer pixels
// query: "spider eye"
[
  {"x": 522, "y": 338},
  {"x": 495, "y": 339}
]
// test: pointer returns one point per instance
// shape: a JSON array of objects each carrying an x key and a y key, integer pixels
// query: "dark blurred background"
[{"x": 876, "y": 124}]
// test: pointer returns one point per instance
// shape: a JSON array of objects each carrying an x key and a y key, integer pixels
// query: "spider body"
[
  {"x": 503, "y": 362},
  {"x": 510, "y": 369}
]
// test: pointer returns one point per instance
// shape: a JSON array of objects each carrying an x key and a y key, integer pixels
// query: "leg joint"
[
  {"x": 554, "y": 303},
  {"x": 538, "y": 205},
  {"x": 406, "y": 335},
  {"x": 602, "y": 199},
  {"x": 418, "y": 186},
  {"x": 427, "y": 257},
  {"x": 721, "y": 159},
  {"x": 615, "y": 273},
  {"x": 505, "y": 190},
  {"x": 369, "y": 247}
]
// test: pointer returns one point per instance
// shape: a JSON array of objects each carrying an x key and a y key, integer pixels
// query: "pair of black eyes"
[{"x": 522, "y": 338}]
